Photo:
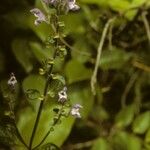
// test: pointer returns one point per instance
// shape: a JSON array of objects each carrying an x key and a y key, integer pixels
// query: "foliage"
[{"x": 117, "y": 117}]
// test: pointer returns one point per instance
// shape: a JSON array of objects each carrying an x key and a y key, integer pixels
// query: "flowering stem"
[
  {"x": 49, "y": 78},
  {"x": 49, "y": 131},
  {"x": 41, "y": 104}
]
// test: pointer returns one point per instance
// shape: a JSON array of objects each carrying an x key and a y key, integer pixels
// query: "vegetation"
[{"x": 77, "y": 76}]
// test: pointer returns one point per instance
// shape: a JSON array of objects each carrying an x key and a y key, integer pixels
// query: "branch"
[
  {"x": 127, "y": 89},
  {"x": 99, "y": 51},
  {"x": 146, "y": 24}
]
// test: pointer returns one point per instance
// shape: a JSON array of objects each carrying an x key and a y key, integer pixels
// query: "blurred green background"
[{"x": 118, "y": 116}]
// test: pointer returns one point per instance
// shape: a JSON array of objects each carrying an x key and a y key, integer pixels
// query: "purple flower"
[
  {"x": 72, "y": 5},
  {"x": 69, "y": 4},
  {"x": 62, "y": 95},
  {"x": 75, "y": 110},
  {"x": 12, "y": 81},
  {"x": 39, "y": 15}
]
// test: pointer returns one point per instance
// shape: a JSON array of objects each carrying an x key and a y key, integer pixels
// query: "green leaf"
[
  {"x": 22, "y": 53},
  {"x": 141, "y": 123},
  {"x": 49, "y": 146},
  {"x": 35, "y": 82},
  {"x": 100, "y": 144},
  {"x": 83, "y": 96},
  {"x": 125, "y": 116},
  {"x": 33, "y": 87},
  {"x": 26, "y": 122},
  {"x": 147, "y": 136},
  {"x": 39, "y": 52},
  {"x": 81, "y": 50},
  {"x": 59, "y": 78},
  {"x": 119, "y": 5},
  {"x": 147, "y": 139},
  {"x": 76, "y": 71},
  {"x": 42, "y": 54},
  {"x": 114, "y": 59},
  {"x": 98, "y": 2},
  {"x": 124, "y": 141},
  {"x": 27, "y": 118},
  {"x": 73, "y": 23}
]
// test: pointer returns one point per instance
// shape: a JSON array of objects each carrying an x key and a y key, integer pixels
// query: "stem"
[
  {"x": 20, "y": 137},
  {"x": 49, "y": 78},
  {"x": 146, "y": 24},
  {"x": 99, "y": 51},
  {"x": 41, "y": 104},
  {"x": 49, "y": 131},
  {"x": 127, "y": 89}
]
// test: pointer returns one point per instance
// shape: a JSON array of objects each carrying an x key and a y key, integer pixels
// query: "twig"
[
  {"x": 82, "y": 145},
  {"x": 110, "y": 36},
  {"x": 146, "y": 24},
  {"x": 141, "y": 66},
  {"x": 138, "y": 95},
  {"x": 99, "y": 51},
  {"x": 127, "y": 89},
  {"x": 71, "y": 48}
]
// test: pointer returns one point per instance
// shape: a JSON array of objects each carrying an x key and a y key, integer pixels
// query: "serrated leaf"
[
  {"x": 76, "y": 71},
  {"x": 125, "y": 116},
  {"x": 22, "y": 53},
  {"x": 141, "y": 123}
]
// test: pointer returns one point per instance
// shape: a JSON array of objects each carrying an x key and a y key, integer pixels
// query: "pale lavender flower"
[
  {"x": 39, "y": 15},
  {"x": 75, "y": 110},
  {"x": 12, "y": 81},
  {"x": 62, "y": 95},
  {"x": 72, "y": 5},
  {"x": 69, "y": 4}
]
